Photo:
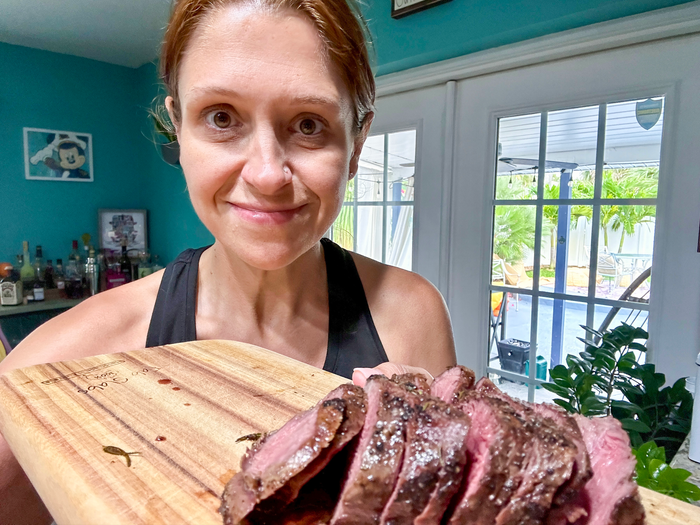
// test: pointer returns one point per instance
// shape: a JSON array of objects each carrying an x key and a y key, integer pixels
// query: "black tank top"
[{"x": 353, "y": 341}]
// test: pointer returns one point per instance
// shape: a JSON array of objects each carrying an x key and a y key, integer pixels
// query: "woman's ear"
[{"x": 359, "y": 142}]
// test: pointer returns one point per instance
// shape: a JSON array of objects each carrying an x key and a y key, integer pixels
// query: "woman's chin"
[{"x": 269, "y": 255}]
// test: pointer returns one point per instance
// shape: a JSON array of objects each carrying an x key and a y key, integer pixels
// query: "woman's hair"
[{"x": 338, "y": 22}]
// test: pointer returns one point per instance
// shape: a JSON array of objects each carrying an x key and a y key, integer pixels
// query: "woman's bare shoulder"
[
  {"x": 410, "y": 315},
  {"x": 112, "y": 321}
]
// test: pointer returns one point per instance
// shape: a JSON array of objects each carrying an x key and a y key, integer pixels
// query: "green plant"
[
  {"x": 654, "y": 473},
  {"x": 606, "y": 378},
  {"x": 653, "y": 413}
]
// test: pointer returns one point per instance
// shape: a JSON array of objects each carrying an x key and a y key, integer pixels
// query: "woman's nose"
[{"x": 265, "y": 167}]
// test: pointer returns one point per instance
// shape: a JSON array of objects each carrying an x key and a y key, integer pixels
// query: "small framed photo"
[
  {"x": 116, "y": 225},
  {"x": 51, "y": 154},
  {"x": 401, "y": 8}
]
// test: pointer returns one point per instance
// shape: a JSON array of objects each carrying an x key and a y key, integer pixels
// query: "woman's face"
[{"x": 266, "y": 135}]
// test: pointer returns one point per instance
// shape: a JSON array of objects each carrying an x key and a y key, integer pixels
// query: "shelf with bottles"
[{"x": 83, "y": 274}]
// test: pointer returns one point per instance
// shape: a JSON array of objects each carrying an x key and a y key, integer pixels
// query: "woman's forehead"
[{"x": 248, "y": 50}]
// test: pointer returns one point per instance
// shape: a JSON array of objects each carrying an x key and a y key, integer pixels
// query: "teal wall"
[
  {"x": 174, "y": 226},
  {"x": 460, "y": 27},
  {"x": 47, "y": 90}
]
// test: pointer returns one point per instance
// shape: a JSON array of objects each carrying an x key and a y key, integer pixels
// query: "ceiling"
[{"x": 122, "y": 32}]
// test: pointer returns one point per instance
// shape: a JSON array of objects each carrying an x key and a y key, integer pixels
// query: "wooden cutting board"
[{"x": 182, "y": 408}]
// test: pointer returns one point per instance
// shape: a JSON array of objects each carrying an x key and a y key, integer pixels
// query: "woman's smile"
[{"x": 267, "y": 215}]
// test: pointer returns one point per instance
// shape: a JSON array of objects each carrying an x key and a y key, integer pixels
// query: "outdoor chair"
[
  {"x": 610, "y": 269},
  {"x": 505, "y": 273}
]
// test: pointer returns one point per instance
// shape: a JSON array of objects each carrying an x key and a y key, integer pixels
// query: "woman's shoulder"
[
  {"x": 112, "y": 321},
  {"x": 409, "y": 313}
]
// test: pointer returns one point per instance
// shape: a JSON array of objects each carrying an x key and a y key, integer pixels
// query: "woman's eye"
[
  {"x": 309, "y": 126},
  {"x": 220, "y": 119}
]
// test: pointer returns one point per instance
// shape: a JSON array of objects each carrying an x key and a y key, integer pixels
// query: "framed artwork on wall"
[
  {"x": 51, "y": 154},
  {"x": 401, "y": 8},
  {"x": 116, "y": 225}
]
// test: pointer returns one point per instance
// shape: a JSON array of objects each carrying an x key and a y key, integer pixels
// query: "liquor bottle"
[
  {"x": 75, "y": 255},
  {"x": 125, "y": 263},
  {"x": 156, "y": 264},
  {"x": 11, "y": 287},
  {"x": 74, "y": 283},
  {"x": 59, "y": 277},
  {"x": 38, "y": 264},
  {"x": 39, "y": 290},
  {"x": 145, "y": 264},
  {"x": 92, "y": 273},
  {"x": 26, "y": 272},
  {"x": 49, "y": 275}
]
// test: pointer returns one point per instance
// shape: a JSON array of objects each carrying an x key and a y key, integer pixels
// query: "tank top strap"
[
  {"x": 173, "y": 319},
  {"x": 353, "y": 340}
]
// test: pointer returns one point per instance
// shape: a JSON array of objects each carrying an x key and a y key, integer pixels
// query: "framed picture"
[
  {"x": 116, "y": 225},
  {"x": 51, "y": 154},
  {"x": 400, "y": 8}
]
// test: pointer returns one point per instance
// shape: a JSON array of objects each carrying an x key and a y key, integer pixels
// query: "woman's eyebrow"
[{"x": 300, "y": 100}]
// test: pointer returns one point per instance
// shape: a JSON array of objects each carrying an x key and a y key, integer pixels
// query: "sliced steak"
[
  {"x": 452, "y": 383},
  {"x": 568, "y": 507},
  {"x": 434, "y": 459},
  {"x": 613, "y": 494},
  {"x": 549, "y": 463},
  {"x": 276, "y": 467},
  {"x": 378, "y": 454},
  {"x": 497, "y": 443}
]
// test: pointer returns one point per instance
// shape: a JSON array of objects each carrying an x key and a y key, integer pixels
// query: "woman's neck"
[{"x": 265, "y": 307}]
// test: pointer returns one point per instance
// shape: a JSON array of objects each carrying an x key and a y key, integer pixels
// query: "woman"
[{"x": 271, "y": 101}]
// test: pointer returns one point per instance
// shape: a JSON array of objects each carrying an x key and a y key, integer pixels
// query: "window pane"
[
  {"x": 513, "y": 243},
  {"x": 517, "y": 157},
  {"x": 509, "y": 332},
  {"x": 350, "y": 190},
  {"x": 571, "y": 152},
  {"x": 625, "y": 248},
  {"x": 402, "y": 162},
  {"x": 399, "y": 236},
  {"x": 370, "y": 175},
  {"x": 558, "y": 330},
  {"x": 369, "y": 231},
  {"x": 342, "y": 230},
  {"x": 609, "y": 318},
  {"x": 566, "y": 249},
  {"x": 632, "y": 148}
]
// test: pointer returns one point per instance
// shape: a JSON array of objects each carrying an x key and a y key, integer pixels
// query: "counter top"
[{"x": 40, "y": 306}]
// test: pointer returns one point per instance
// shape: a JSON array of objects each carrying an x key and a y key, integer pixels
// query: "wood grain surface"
[{"x": 181, "y": 407}]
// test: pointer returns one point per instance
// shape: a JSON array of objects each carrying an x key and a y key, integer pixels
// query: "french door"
[{"x": 572, "y": 179}]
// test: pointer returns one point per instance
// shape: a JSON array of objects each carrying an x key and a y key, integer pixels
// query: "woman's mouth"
[{"x": 266, "y": 216}]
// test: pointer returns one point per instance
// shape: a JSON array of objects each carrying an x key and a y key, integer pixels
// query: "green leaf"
[{"x": 634, "y": 424}]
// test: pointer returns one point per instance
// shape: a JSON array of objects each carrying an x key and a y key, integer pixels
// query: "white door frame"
[{"x": 466, "y": 182}]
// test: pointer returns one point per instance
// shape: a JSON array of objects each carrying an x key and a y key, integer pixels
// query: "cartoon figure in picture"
[
  {"x": 71, "y": 156},
  {"x": 123, "y": 226}
]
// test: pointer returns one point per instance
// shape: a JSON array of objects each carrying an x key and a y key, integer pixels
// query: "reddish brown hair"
[{"x": 339, "y": 24}]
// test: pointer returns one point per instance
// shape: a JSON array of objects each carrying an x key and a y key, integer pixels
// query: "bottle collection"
[{"x": 82, "y": 276}]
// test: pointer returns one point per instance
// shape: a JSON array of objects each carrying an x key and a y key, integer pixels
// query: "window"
[
  {"x": 573, "y": 233},
  {"x": 377, "y": 216}
]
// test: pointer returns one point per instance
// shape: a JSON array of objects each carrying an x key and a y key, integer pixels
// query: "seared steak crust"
[
  {"x": 277, "y": 466},
  {"x": 496, "y": 449},
  {"x": 378, "y": 454},
  {"x": 434, "y": 460},
  {"x": 550, "y": 458}
]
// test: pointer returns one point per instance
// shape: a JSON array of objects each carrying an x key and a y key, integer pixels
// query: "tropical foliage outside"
[{"x": 514, "y": 226}]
